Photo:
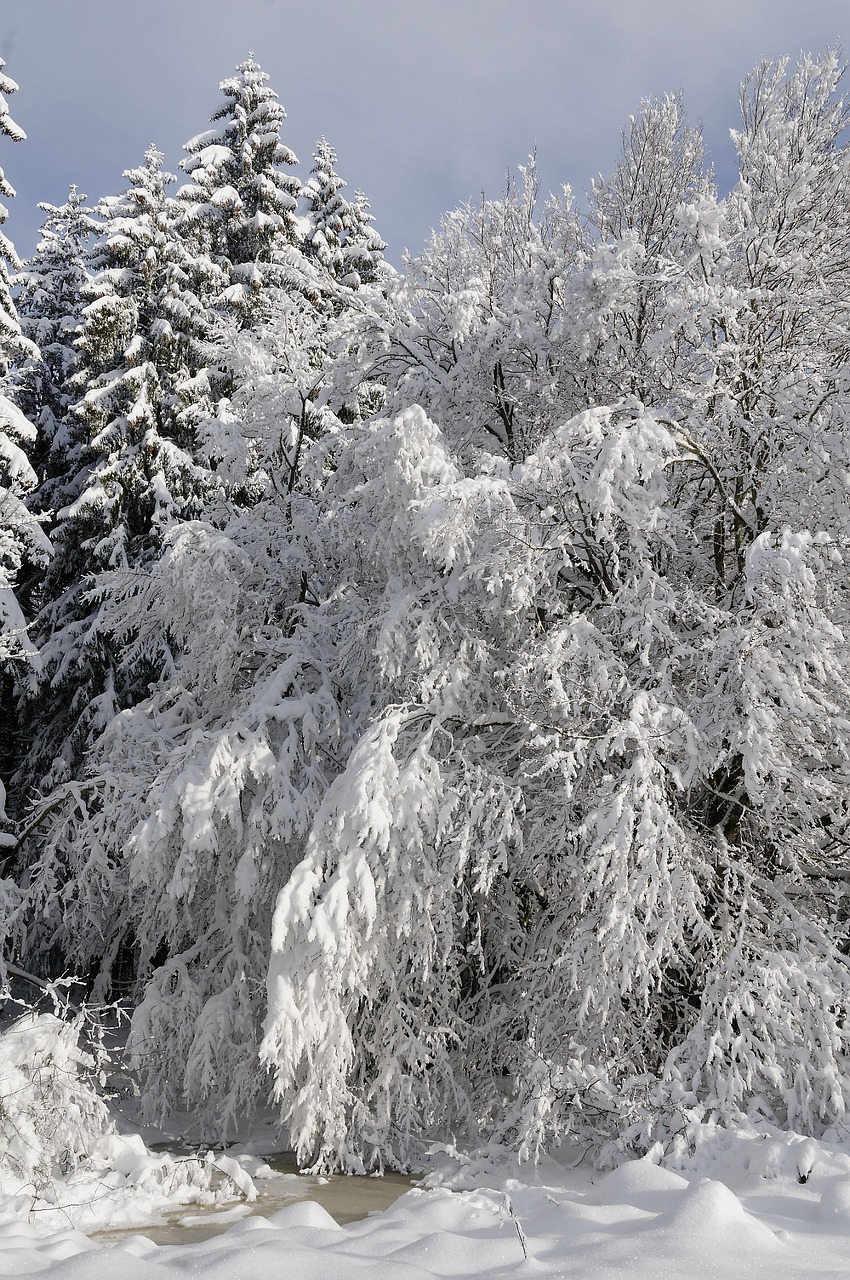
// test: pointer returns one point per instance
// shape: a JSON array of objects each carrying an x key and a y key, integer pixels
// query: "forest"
[{"x": 426, "y": 691}]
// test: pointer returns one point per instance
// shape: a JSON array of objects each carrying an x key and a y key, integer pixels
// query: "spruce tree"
[
  {"x": 131, "y": 476},
  {"x": 341, "y": 238},
  {"x": 10, "y": 329},
  {"x": 364, "y": 248},
  {"x": 239, "y": 205},
  {"x": 50, "y": 300},
  {"x": 22, "y": 541},
  {"x": 326, "y": 211}
]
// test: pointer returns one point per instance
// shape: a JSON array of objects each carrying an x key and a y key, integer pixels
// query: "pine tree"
[
  {"x": 133, "y": 474},
  {"x": 50, "y": 300},
  {"x": 10, "y": 329},
  {"x": 363, "y": 250},
  {"x": 340, "y": 238},
  {"x": 239, "y": 205},
  {"x": 22, "y": 541}
]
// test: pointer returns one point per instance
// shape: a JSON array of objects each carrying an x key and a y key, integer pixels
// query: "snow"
[{"x": 641, "y": 1221}]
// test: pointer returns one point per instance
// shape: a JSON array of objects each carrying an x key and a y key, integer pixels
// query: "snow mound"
[
  {"x": 304, "y": 1213},
  {"x": 642, "y": 1184},
  {"x": 708, "y": 1211},
  {"x": 448, "y": 1254},
  {"x": 738, "y": 1155},
  {"x": 835, "y": 1204}
]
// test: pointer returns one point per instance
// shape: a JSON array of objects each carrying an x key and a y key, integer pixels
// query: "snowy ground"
[{"x": 737, "y": 1208}]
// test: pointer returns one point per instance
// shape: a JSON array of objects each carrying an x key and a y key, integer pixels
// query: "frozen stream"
[{"x": 347, "y": 1199}]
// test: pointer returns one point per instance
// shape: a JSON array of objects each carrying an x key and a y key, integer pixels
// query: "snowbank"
[
  {"x": 733, "y": 1204},
  {"x": 642, "y": 1221}
]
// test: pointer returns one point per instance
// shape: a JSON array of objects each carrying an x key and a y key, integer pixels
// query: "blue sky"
[{"x": 427, "y": 104}]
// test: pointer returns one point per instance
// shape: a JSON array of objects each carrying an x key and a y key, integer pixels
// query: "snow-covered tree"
[
  {"x": 132, "y": 473},
  {"x": 453, "y": 897},
  {"x": 364, "y": 248},
  {"x": 21, "y": 537},
  {"x": 10, "y": 329},
  {"x": 491, "y": 780},
  {"x": 223, "y": 617},
  {"x": 195, "y": 802},
  {"x": 50, "y": 300},
  {"x": 595, "y": 837},
  {"x": 624, "y": 300},
  {"x": 473, "y": 328},
  {"x": 340, "y": 235},
  {"x": 240, "y": 203},
  {"x": 326, "y": 210},
  {"x": 523, "y": 871}
]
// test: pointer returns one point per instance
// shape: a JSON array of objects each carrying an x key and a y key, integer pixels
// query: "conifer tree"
[
  {"x": 21, "y": 538},
  {"x": 132, "y": 476},
  {"x": 341, "y": 238},
  {"x": 326, "y": 211},
  {"x": 364, "y": 248},
  {"x": 10, "y": 329},
  {"x": 239, "y": 205},
  {"x": 50, "y": 300}
]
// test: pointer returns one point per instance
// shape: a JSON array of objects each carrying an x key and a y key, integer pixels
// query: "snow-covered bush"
[
  {"x": 60, "y": 1148},
  {"x": 52, "y": 1114}
]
